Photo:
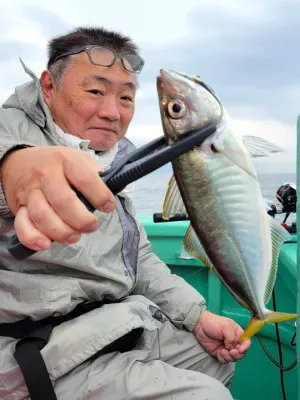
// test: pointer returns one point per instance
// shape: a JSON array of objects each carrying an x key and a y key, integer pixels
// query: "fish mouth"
[
  {"x": 164, "y": 81},
  {"x": 171, "y": 84},
  {"x": 170, "y": 78},
  {"x": 159, "y": 84}
]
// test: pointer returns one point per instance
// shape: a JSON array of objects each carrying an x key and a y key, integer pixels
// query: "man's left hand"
[{"x": 219, "y": 336}]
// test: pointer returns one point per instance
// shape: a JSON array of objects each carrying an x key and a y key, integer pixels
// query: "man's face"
[{"x": 92, "y": 102}]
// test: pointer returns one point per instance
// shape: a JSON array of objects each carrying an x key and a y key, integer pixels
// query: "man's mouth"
[{"x": 105, "y": 128}]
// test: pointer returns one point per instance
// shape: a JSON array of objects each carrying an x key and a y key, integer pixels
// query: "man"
[{"x": 124, "y": 327}]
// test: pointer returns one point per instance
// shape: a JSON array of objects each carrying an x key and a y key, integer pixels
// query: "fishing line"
[
  {"x": 272, "y": 359},
  {"x": 279, "y": 350},
  {"x": 198, "y": 271}
]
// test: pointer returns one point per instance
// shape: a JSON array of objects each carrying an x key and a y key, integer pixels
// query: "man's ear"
[{"x": 47, "y": 86}]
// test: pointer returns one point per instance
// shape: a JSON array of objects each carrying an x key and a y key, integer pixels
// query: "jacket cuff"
[{"x": 193, "y": 316}]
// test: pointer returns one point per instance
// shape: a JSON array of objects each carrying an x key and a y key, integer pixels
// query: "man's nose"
[{"x": 110, "y": 109}]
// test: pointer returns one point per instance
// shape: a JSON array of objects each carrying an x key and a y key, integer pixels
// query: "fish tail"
[{"x": 256, "y": 324}]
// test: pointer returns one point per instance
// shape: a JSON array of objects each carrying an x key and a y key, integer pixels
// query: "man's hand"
[
  {"x": 219, "y": 337},
  {"x": 37, "y": 185}
]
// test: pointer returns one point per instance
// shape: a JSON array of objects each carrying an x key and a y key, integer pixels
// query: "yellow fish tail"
[{"x": 256, "y": 324}]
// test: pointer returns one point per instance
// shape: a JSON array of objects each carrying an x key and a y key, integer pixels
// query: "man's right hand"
[{"x": 37, "y": 185}]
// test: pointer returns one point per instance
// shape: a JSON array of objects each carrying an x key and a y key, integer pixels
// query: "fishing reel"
[{"x": 286, "y": 194}]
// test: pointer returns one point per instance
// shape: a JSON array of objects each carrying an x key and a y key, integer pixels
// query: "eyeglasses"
[{"x": 104, "y": 57}]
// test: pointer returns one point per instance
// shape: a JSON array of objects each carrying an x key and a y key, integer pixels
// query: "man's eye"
[
  {"x": 127, "y": 98},
  {"x": 95, "y": 91}
]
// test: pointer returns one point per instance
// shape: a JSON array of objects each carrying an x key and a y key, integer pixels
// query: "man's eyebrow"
[{"x": 103, "y": 79}]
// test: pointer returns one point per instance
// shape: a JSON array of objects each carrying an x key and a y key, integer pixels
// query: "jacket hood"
[{"x": 28, "y": 98}]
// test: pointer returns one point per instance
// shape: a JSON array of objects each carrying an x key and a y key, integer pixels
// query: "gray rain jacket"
[{"x": 113, "y": 263}]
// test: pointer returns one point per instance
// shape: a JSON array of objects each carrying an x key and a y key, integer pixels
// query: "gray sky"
[{"x": 246, "y": 51}]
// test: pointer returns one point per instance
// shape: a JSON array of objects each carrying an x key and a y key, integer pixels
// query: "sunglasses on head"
[{"x": 99, "y": 55}]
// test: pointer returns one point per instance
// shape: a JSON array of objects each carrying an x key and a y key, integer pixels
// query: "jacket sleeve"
[
  {"x": 13, "y": 134},
  {"x": 178, "y": 300}
]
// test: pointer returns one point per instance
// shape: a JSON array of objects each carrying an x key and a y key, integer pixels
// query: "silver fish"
[{"x": 217, "y": 186}]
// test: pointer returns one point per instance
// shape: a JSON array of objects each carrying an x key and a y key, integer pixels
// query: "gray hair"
[{"x": 81, "y": 37}]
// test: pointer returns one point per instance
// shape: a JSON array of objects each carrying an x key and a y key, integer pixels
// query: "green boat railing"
[{"x": 298, "y": 256}]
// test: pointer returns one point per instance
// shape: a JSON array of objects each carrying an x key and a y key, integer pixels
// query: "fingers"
[
  {"x": 229, "y": 334},
  {"x": 65, "y": 202},
  {"x": 87, "y": 181},
  {"x": 221, "y": 359},
  {"x": 235, "y": 354},
  {"x": 46, "y": 205},
  {"x": 232, "y": 332},
  {"x": 233, "y": 350},
  {"x": 47, "y": 221},
  {"x": 67, "y": 206},
  {"x": 28, "y": 234},
  {"x": 56, "y": 211},
  {"x": 244, "y": 346},
  {"x": 224, "y": 356}
]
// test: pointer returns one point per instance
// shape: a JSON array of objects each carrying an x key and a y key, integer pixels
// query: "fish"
[{"x": 217, "y": 186}]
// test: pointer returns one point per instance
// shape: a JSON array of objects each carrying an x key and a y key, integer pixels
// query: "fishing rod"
[{"x": 286, "y": 195}]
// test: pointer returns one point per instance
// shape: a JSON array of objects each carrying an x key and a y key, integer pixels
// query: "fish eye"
[{"x": 176, "y": 108}]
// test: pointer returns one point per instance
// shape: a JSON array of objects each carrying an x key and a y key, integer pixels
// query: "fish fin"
[
  {"x": 173, "y": 202},
  {"x": 278, "y": 236},
  {"x": 256, "y": 324},
  {"x": 236, "y": 151},
  {"x": 193, "y": 246},
  {"x": 259, "y": 147}
]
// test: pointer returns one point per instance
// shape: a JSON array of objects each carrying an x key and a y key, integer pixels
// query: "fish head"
[{"x": 186, "y": 104}]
